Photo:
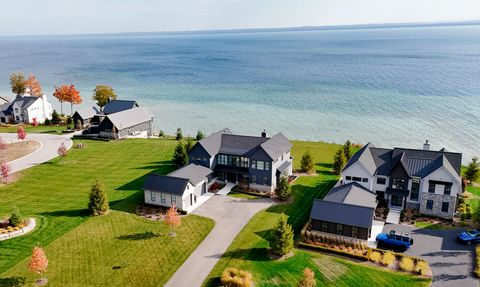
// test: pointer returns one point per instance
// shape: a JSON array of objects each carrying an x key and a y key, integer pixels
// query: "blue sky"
[{"x": 30, "y": 17}]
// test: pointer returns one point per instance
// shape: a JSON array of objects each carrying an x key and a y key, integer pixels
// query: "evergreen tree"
[
  {"x": 189, "y": 145},
  {"x": 472, "y": 173},
  {"x": 199, "y": 136},
  {"x": 179, "y": 134},
  {"x": 283, "y": 188},
  {"x": 281, "y": 241},
  {"x": 161, "y": 134},
  {"x": 56, "y": 118},
  {"x": 306, "y": 163},
  {"x": 338, "y": 161},
  {"x": 98, "y": 202},
  {"x": 180, "y": 157},
  {"x": 347, "y": 150}
]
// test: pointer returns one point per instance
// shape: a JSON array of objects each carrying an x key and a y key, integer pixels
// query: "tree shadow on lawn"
[
  {"x": 250, "y": 254},
  {"x": 139, "y": 236},
  {"x": 12, "y": 281},
  {"x": 67, "y": 213},
  {"x": 326, "y": 168}
]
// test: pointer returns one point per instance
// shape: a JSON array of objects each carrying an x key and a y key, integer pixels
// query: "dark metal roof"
[
  {"x": 342, "y": 213},
  {"x": 352, "y": 193},
  {"x": 116, "y": 106},
  {"x": 238, "y": 144},
  {"x": 165, "y": 183},
  {"x": 194, "y": 173}
]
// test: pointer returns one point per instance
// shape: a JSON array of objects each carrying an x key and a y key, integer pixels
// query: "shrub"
[
  {"x": 15, "y": 218},
  {"x": 281, "y": 240},
  {"x": 421, "y": 267},
  {"x": 161, "y": 134},
  {"x": 232, "y": 277},
  {"x": 307, "y": 162},
  {"x": 477, "y": 261},
  {"x": 375, "y": 256},
  {"x": 388, "y": 258},
  {"x": 407, "y": 264},
  {"x": 47, "y": 122},
  {"x": 283, "y": 189},
  {"x": 98, "y": 202},
  {"x": 69, "y": 120},
  {"x": 56, "y": 118},
  {"x": 308, "y": 279}
]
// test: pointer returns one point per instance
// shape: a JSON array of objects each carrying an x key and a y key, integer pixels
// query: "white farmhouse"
[{"x": 25, "y": 109}]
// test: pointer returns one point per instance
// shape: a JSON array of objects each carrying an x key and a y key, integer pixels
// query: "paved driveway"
[
  {"x": 452, "y": 263},
  {"x": 230, "y": 215},
  {"x": 47, "y": 151}
]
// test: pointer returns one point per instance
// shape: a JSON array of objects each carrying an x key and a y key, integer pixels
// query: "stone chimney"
[
  {"x": 426, "y": 145},
  {"x": 264, "y": 134}
]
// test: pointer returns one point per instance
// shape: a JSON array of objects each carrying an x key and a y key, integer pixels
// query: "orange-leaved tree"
[
  {"x": 38, "y": 262},
  {"x": 21, "y": 134},
  {"x": 62, "y": 150},
  {"x": 5, "y": 171},
  {"x": 34, "y": 86},
  {"x": 172, "y": 218},
  {"x": 69, "y": 94}
]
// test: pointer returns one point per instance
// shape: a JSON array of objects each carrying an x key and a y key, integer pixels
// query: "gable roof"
[
  {"x": 211, "y": 144},
  {"x": 164, "y": 183},
  {"x": 342, "y": 213},
  {"x": 25, "y": 101},
  {"x": 194, "y": 173},
  {"x": 239, "y": 144},
  {"x": 129, "y": 118},
  {"x": 276, "y": 146},
  {"x": 88, "y": 113},
  {"x": 115, "y": 106},
  {"x": 365, "y": 157},
  {"x": 352, "y": 193}
]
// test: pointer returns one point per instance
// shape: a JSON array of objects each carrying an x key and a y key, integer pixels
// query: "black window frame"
[
  {"x": 348, "y": 177},
  {"x": 323, "y": 226},
  {"x": 447, "y": 190},
  {"x": 447, "y": 205},
  {"x": 429, "y": 204},
  {"x": 431, "y": 187},
  {"x": 381, "y": 180},
  {"x": 415, "y": 192}
]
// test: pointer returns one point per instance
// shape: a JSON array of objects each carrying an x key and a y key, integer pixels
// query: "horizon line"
[{"x": 472, "y": 22}]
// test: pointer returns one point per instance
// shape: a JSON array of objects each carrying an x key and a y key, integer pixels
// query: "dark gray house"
[
  {"x": 255, "y": 161},
  {"x": 115, "y": 106},
  {"x": 347, "y": 210},
  {"x": 85, "y": 117},
  {"x": 136, "y": 122}
]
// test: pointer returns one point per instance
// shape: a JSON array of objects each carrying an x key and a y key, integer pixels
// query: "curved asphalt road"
[{"x": 48, "y": 149}]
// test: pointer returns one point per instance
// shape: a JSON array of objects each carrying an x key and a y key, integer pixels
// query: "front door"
[
  {"x": 232, "y": 177},
  {"x": 397, "y": 200}
]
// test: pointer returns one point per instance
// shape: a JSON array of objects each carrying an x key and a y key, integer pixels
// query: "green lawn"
[
  {"x": 475, "y": 190},
  {"x": 243, "y": 195},
  {"x": 249, "y": 249},
  {"x": 32, "y": 129},
  {"x": 56, "y": 194},
  {"x": 433, "y": 226}
]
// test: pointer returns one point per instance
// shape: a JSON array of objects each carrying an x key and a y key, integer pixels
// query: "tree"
[
  {"x": 283, "y": 188},
  {"x": 38, "y": 262},
  {"x": 180, "y": 156},
  {"x": 103, "y": 94},
  {"x": 172, "y": 218},
  {"x": 306, "y": 163},
  {"x": 34, "y": 86},
  {"x": 308, "y": 279},
  {"x": 281, "y": 241},
  {"x": 98, "y": 202},
  {"x": 3, "y": 144},
  {"x": 347, "y": 150},
  {"x": 21, "y": 134},
  {"x": 199, "y": 136},
  {"x": 338, "y": 161},
  {"x": 61, "y": 94},
  {"x": 5, "y": 171},
  {"x": 69, "y": 94},
  {"x": 161, "y": 134},
  {"x": 56, "y": 118},
  {"x": 472, "y": 173},
  {"x": 17, "y": 83},
  {"x": 62, "y": 150},
  {"x": 189, "y": 145},
  {"x": 179, "y": 134}
]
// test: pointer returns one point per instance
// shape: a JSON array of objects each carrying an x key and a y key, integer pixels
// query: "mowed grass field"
[
  {"x": 31, "y": 129},
  {"x": 83, "y": 250},
  {"x": 249, "y": 249}
]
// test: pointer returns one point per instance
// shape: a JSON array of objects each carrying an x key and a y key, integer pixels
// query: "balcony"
[{"x": 396, "y": 191}]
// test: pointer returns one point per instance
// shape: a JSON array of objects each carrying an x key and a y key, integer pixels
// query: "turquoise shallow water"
[{"x": 391, "y": 86}]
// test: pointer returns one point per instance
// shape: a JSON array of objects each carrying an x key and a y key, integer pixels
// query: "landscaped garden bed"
[
  {"x": 216, "y": 186},
  {"x": 381, "y": 212},
  {"x": 413, "y": 217},
  {"x": 246, "y": 190}
]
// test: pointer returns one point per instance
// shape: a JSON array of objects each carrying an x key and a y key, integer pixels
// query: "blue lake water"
[{"x": 391, "y": 86}]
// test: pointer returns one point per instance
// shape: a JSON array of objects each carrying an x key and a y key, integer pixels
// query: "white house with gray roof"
[
  {"x": 182, "y": 188},
  {"x": 424, "y": 179},
  {"x": 135, "y": 122},
  {"x": 26, "y": 109}
]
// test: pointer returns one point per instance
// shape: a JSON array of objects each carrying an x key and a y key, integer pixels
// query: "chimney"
[
  {"x": 426, "y": 145},
  {"x": 264, "y": 134}
]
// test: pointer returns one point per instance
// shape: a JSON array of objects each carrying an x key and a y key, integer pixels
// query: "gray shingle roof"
[
  {"x": 194, "y": 173},
  {"x": 164, "y": 183},
  {"x": 342, "y": 213},
  {"x": 129, "y": 118},
  {"x": 365, "y": 157},
  {"x": 211, "y": 144},
  {"x": 88, "y": 113},
  {"x": 284, "y": 166},
  {"x": 352, "y": 193},
  {"x": 238, "y": 144},
  {"x": 276, "y": 146},
  {"x": 116, "y": 106},
  {"x": 25, "y": 101}
]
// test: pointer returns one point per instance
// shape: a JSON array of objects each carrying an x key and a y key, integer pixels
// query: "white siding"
[
  {"x": 442, "y": 174},
  {"x": 357, "y": 170},
  {"x": 157, "y": 201}
]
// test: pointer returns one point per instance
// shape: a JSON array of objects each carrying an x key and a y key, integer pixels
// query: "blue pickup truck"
[{"x": 395, "y": 239}]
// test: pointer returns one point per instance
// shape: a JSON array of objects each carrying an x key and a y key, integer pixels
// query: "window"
[
  {"x": 152, "y": 196},
  {"x": 339, "y": 229},
  {"x": 364, "y": 179},
  {"x": 381, "y": 180},
  {"x": 445, "y": 206},
  {"x": 447, "y": 190},
  {"x": 254, "y": 179},
  {"x": 267, "y": 166},
  {"x": 260, "y": 165},
  {"x": 265, "y": 180},
  {"x": 254, "y": 164},
  {"x": 173, "y": 199},
  {"x": 431, "y": 187},
  {"x": 162, "y": 197},
  {"x": 348, "y": 178},
  {"x": 429, "y": 204},
  {"x": 415, "y": 189},
  {"x": 357, "y": 178},
  {"x": 354, "y": 232},
  {"x": 398, "y": 183},
  {"x": 324, "y": 226}
]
